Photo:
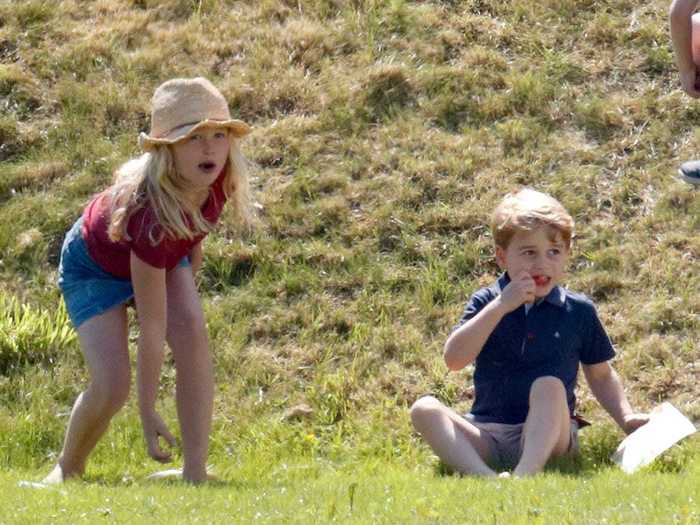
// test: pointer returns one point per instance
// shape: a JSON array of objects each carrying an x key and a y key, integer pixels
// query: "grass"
[
  {"x": 384, "y": 133},
  {"x": 373, "y": 491}
]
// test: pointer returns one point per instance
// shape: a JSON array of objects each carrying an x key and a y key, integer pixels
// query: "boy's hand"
[
  {"x": 632, "y": 422},
  {"x": 153, "y": 429},
  {"x": 519, "y": 291},
  {"x": 690, "y": 82}
]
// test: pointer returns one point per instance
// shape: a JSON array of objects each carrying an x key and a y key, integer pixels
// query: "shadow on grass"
[
  {"x": 114, "y": 481},
  {"x": 597, "y": 445},
  {"x": 572, "y": 466}
]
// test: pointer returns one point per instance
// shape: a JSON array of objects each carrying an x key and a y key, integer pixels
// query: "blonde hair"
[
  {"x": 527, "y": 210},
  {"x": 152, "y": 179}
]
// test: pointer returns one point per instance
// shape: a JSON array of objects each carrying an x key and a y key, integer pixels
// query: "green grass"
[
  {"x": 384, "y": 133},
  {"x": 372, "y": 491}
]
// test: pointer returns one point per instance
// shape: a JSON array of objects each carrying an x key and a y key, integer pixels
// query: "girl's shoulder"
[{"x": 143, "y": 221}]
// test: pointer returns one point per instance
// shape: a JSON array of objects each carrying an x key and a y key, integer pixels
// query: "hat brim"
[{"x": 238, "y": 129}]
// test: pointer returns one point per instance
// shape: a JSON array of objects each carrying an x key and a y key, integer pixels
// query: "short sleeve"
[
  {"x": 144, "y": 232},
  {"x": 475, "y": 304},
  {"x": 596, "y": 346}
]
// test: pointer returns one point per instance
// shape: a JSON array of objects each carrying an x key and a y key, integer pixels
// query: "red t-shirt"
[{"x": 114, "y": 257}]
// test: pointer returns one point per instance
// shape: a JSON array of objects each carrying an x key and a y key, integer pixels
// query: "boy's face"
[{"x": 541, "y": 253}]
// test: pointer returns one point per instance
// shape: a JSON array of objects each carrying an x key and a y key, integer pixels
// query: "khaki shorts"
[{"x": 506, "y": 441}]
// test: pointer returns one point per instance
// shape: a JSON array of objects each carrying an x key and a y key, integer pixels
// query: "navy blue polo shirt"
[{"x": 551, "y": 339}]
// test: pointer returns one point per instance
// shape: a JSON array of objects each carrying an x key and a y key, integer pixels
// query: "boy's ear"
[{"x": 501, "y": 257}]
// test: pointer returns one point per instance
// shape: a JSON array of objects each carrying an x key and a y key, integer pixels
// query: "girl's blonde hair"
[
  {"x": 152, "y": 179},
  {"x": 526, "y": 210}
]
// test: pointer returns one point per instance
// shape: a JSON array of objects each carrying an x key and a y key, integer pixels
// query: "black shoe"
[{"x": 690, "y": 172}]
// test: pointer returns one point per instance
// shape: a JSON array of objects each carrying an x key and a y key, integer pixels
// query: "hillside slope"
[{"x": 384, "y": 133}]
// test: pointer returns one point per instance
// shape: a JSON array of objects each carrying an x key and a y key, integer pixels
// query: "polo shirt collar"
[{"x": 557, "y": 296}]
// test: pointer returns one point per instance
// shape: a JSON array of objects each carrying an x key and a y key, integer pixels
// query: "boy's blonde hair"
[
  {"x": 527, "y": 210},
  {"x": 152, "y": 179}
]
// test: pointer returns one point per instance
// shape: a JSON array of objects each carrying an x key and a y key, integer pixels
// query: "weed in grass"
[
  {"x": 30, "y": 337},
  {"x": 32, "y": 15},
  {"x": 331, "y": 398},
  {"x": 19, "y": 91},
  {"x": 11, "y": 143},
  {"x": 36, "y": 176},
  {"x": 226, "y": 266},
  {"x": 516, "y": 134},
  {"x": 387, "y": 91},
  {"x": 599, "y": 117}
]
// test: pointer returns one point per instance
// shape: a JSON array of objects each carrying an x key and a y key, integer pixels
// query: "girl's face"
[{"x": 200, "y": 157}]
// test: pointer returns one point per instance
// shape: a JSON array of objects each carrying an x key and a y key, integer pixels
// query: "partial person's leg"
[
  {"x": 547, "y": 428},
  {"x": 188, "y": 340},
  {"x": 456, "y": 441},
  {"x": 104, "y": 343}
]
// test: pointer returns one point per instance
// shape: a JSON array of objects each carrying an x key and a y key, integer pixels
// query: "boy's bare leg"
[
  {"x": 547, "y": 428},
  {"x": 104, "y": 343},
  {"x": 456, "y": 441},
  {"x": 187, "y": 338}
]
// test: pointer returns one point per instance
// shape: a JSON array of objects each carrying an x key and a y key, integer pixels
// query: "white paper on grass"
[{"x": 666, "y": 427}]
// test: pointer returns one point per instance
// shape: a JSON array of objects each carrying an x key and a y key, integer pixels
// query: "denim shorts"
[{"x": 87, "y": 289}]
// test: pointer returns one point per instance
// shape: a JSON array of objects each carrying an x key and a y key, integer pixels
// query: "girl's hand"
[
  {"x": 690, "y": 82},
  {"x": 153, "y": 429},
  {"x": 519, "y": 291},
  {"x": 632, "y": 422}
]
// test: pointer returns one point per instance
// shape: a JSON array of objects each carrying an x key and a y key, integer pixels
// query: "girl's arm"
[
  {"x": 607, "y": 389},
  {"x": 681, "y": 36},
  {"x": 196, "y": 257},
  {"x": 150, "y": 296}
]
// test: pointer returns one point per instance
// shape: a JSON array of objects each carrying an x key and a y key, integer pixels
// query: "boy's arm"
[
  {"x": 465, "y": 343},
  {"x": 607, "y": 389},
  {"x": 680, "y": 14},
  {"x": 150, "y": 297}
]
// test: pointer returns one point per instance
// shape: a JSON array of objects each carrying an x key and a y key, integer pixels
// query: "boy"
[
  {"x": 527, "y": 335},
  {"x": 681, "y": 36}
]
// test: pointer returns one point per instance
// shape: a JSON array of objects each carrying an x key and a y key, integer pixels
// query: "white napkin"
[{"x": 666, "y": 427}]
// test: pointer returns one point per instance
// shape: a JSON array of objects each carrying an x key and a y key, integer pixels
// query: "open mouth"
[
  {"x": 540, "y": 280},
  {"x": 206, "y": 166}
]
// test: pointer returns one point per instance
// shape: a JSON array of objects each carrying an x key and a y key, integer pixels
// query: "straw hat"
[{"x": 183, "y": 105}]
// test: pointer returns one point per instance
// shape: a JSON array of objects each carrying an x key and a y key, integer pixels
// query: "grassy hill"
[{"x": 384, "y": 133}]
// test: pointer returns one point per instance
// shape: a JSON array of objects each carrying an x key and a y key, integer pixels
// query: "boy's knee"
[
  {"x": 422, "y": 408},
  {"x": 548, "y": 386}
]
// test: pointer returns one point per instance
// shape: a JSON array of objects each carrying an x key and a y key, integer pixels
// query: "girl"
[{"x": 141, "y": 238}]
